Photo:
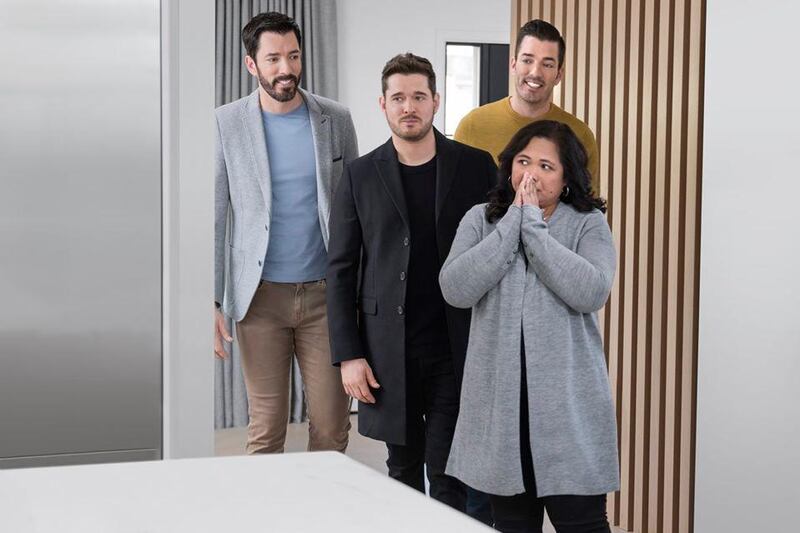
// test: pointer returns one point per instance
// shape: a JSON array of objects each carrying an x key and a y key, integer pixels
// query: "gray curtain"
[{"x": 317, "y": 21}]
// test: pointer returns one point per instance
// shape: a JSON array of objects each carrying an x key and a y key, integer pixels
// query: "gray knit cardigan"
[{"x": 553, "y": 299}]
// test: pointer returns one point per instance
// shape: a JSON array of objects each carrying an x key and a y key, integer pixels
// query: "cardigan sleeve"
[
  {"x": 582, "y": 279},
  {"x": 476, "y": 264}
]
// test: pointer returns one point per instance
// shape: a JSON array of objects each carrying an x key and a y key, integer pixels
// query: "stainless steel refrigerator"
[{"x": 80, "y": 232}]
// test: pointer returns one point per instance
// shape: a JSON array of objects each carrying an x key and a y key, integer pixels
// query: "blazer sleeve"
[
  {"x": 475, "y": 265},
  {"x": 221, "y": 206},
  {"x": 344, "y": 258},
  {"x": 351, "y": 140},
  {"x": 582, "y": 279}
]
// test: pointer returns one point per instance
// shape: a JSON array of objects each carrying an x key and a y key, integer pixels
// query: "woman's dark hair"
[
  {"x": 578, "y": 191},
  {"x": 271, "y": 21}
]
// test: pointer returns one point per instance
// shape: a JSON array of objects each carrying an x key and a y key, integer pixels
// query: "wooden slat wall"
[{"x": 634, "y": 74}]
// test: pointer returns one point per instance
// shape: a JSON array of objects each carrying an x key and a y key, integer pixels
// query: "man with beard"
[
  {"x": 537, "y": 67},
  {"x": 395, "y": 214},
  {"x": 280, "y": 153}
]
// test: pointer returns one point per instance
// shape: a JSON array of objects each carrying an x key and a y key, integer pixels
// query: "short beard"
[
  {"x": 426, "y": 128},
  {"x": 280, "y": 96},
  {"x": 529, "y": 99}
]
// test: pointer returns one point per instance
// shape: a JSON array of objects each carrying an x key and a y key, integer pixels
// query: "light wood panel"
[{"x": 634, "y": 73}]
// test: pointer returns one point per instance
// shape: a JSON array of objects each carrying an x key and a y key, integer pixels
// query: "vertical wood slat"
[
  {"x": 640, "y": 283},
  {"x": 634, "y": 74},
  {"x": 620, "y": 227},
  {"x": 655, "y": 254}
]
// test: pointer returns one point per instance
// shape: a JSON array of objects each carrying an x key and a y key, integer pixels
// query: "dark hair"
[
  {"x": 271, "y": 21},
  {"x": 573, "y": 158},
  {"x": 408, "y": 63},
  {"x": 544, "y": 31}
]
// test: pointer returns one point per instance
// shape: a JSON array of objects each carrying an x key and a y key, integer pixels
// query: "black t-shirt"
[{"x": 426, "y": 324}]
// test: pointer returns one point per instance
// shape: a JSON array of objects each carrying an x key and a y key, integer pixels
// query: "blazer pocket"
[
  {"x": 369, "y": 306},
  {"x": 337, "y": 169},
  {"x": 236, "y": 268}
]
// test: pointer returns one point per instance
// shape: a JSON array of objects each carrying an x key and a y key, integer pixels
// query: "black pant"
[
  {"x": 432, "y": 411},
  {"x": 524, "y": 513},
  {"x": 478, "y": 506}
]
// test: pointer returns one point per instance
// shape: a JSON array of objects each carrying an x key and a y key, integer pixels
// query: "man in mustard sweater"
[{"x": 537, "y": 67}]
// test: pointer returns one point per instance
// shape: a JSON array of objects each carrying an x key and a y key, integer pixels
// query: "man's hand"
[
  {"x": 357, "y": 378},
  {"x": 220, "y": 333}
]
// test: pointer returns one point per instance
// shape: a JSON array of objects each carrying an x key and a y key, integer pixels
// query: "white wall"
[
  {"x": 372, "y": 31},
  {"x": 748, "y": 420},
  {"x": 188, "y": 184}
]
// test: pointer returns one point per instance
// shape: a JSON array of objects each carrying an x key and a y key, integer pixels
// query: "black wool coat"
[{"x": 369, "y": 248}]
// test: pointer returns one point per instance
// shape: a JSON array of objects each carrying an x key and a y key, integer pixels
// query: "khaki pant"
[{"x": 287, "y": 318}]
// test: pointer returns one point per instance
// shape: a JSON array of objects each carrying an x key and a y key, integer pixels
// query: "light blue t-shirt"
[{"x": 296, "y": 252}]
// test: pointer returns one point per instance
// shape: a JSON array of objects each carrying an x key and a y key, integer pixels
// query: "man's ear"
[
  {"x": 251, "y": 65},
  {"x": 382, "y": 103}
]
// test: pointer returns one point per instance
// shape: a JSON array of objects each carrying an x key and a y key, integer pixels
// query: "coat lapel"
[
  {"x": 389, "y": 171},
  {"x": 321, "y": 132},
  {"x": 446, "y": 164},
  {"x": 253, "y": 125}
]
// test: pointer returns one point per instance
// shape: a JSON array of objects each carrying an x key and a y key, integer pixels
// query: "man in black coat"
[{"x": 394, "y": 216}]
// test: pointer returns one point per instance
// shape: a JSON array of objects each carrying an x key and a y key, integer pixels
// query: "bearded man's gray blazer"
[{"x": 244, "y": 193}]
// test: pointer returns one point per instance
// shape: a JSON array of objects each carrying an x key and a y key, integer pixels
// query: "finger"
[
  {"x": 350, "y": 392},
  {"x": 366, "y": 395},
  {"x": 360, "y": 397},
  {"x": 224, "y": 330},
  {"x": 369, "y": 398},
  {"x": 353, "y": 392},
  {"x": 219, "y": 351},
  {"x": 518, "y": 194},
  {"x": 371, "y": 379}
]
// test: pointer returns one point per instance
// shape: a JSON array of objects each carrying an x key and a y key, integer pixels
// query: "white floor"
[{"x": 367, "y": 451}]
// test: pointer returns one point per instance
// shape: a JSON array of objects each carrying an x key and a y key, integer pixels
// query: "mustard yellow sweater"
[{"x": 491, "y": 126}]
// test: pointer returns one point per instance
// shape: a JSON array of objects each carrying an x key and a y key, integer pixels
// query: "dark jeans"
[
  {"x": 432, "y": 411},
  {"x": 524, "y": 513}
]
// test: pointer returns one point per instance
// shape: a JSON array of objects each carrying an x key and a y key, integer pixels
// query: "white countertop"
[{"x": 300, "y": 492}]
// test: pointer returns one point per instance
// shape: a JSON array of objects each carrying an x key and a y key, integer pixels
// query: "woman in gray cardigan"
[{"x": 536, "y": 427}]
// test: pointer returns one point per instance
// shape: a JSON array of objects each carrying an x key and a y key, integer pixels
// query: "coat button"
[
  {"x": 266, "y": 227},
  {"x": 259, "y": 263},
  {"x": 405, "y": 241},
  {"x": 402, "y": 276},
  {"x": 400, "y": 310}
]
